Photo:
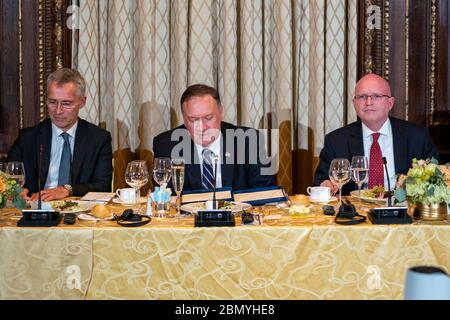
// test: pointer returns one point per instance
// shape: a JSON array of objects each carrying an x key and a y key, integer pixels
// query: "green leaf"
[
  {"x": 19, "y": 202},
  {"x": 400, "y": 195},
  {"x": 2, "y": 201},
  {"x": 434, "y": 161},
  {"x": 430, "y": 191}
]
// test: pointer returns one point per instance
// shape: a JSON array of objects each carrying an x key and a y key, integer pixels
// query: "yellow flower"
[{"x": 2, "y": 185}]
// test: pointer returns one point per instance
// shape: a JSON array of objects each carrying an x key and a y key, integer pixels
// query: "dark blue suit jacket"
[
  {"x": 409, "y": 140},
  {"x": 92, "y": 157},
  {"x": 243, "y": 164}
]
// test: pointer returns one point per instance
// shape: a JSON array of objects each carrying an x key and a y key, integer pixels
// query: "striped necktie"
[
  {"x": 66, "y": 159},
  {"x": 208, "y": 171}
]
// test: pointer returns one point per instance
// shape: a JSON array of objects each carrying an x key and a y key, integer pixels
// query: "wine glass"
[
  {"x": 136, "y": 176},
  {"x": 178, "y": 180},
  {"x": 339, "y": 173},
  {"x": 360, "y": 172},
  {"x": 16, "y": 171},
  {"x": 162, "y": 171},
  {"x": 161, "y": 174},
  {"x": 3, "y": 167}
]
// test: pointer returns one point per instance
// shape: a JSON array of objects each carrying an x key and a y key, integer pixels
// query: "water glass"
[{"x": 339, "y": 173}]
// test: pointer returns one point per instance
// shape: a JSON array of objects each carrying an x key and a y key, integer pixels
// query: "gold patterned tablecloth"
[{"x": 294, "y": 257}]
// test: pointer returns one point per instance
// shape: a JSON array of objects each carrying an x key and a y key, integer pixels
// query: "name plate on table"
[
  {"x": 214, "y": 218},
  {"x": 206, "y": 195},
  {"x": 39, "y": 218},
  {"x": 261, "y": 196}
]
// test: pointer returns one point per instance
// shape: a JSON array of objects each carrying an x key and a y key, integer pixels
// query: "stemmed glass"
[
  {"x": 360, "y": 172},
  {"x": 339, "y": 173},
  {"x": 136, "y": 176},
  {"x": 178, "y": 180},
  {"x": 16, "y": 171},
  {"x": 161, "y": 174}
]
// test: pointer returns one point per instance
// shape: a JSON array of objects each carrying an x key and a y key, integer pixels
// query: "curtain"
[{"x": 282, "y": 65}]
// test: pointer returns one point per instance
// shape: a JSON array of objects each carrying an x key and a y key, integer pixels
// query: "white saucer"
[
  {"x": 141, "y": 200},
  {"x": 332, "y": 199},
  {"x": 83, "y": 216}
]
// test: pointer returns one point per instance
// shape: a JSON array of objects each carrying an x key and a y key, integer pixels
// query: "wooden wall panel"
[
  {"x": 31, "y": 46},
  {"x": 396, "y": 65},
  {"x": 30, "y": 62},
  {"x": 9, "y": 71}
]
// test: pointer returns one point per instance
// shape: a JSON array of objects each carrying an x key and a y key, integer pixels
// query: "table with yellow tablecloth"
[{"x": 304, "y": 256}]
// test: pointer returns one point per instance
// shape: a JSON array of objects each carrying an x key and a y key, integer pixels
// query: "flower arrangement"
[
  {"x": 425, "y": 183},
  {"x": 10, "y": 190}
]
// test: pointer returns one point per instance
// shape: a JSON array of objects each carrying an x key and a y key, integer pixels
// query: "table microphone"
[
  {"x": 216, "y": 159},
  {"x": 39, "y": 217},
  {"x": 388, "y": 182},
  {"x": 389, "y": 214},
  {"x": 41, "y": 151}
]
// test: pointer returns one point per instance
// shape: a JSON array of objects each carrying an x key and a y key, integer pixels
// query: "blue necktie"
[
  {"x": 64, "y": 165},
  {"x": 208, "y": 172}
]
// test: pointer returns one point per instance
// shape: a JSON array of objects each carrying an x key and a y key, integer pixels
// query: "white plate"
[
  {"x": 233, "y": 206},
  {"x": 141, "y": 200},
  {"x": 82, "y": 206},
  {"x": 332, "y": 199},
  {"x": 83, "y": 216},
  {"x": 369, "y": 199}
]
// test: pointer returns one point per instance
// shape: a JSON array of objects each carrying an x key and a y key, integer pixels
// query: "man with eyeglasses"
[
  {"x": 375, "y": 135},
  {"x": 216, "y": 153},
  {"x": 76, "y": 156}
]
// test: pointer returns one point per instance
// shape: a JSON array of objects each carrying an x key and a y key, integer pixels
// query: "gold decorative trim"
[
  {"x": 20, "y": 67},
  {"x": 386, "y": 39},
  {"x": 58, "y": 33},
  {"x": 407, "y": 62},
  {"x": 42, "y": 89},
  {"x": 369, "y": 34},
  {"x": 432, "y": 78}
]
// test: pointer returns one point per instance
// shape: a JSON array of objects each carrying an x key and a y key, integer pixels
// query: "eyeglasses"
[
  {"x": 373, "y": 97},
  {"x": 66, "y": 105}
]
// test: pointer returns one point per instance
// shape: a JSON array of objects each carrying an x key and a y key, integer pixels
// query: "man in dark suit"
[
  {"x": 204, "y": 140},
  {"x": 399, "y": 141},
  {"x": 76, "y": 155}
]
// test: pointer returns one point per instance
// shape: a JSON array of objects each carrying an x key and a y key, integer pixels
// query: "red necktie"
[{"x": 376, "y": 173}]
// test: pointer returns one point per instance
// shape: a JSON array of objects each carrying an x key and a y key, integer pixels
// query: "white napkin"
[{"x": 98, "y": 196}]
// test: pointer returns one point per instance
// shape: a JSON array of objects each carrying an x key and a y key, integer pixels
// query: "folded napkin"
[{"x": 98, "y": 196}]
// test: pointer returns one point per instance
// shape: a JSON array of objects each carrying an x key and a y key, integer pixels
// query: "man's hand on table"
[
  {"x": 333, "y": 186},
  {"x": 57, "y": 193}
]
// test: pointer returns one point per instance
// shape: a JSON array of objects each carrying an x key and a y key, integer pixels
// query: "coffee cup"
[
  {"x": 126, "y": 194},
  {"x": 321, "y": 194}
]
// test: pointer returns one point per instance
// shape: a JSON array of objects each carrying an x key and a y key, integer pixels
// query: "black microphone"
[
  {"x": 388, "y": 182},
  {"x": 215, "y": 182},
  {"x": 39, "y": 217},
  {"x": 389, "y": 214},
  {"x": 41, "y": 151}
]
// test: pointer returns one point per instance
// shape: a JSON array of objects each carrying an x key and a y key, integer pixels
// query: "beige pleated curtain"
[{"x": 281, "y": 64}]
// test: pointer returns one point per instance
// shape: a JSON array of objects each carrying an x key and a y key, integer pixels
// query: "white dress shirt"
[
  {"x": 56, "y": 153},
  {"x": 215, "y": 148},
  {"x": 387, "y": 149}
]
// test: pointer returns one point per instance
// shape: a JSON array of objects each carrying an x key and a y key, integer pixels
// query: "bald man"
[{"x": 399, "y": 141}]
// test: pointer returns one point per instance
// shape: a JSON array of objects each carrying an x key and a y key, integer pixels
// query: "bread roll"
[
  {"x": 300, "y": 199},
  {"x": 101, "y": 211}
]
